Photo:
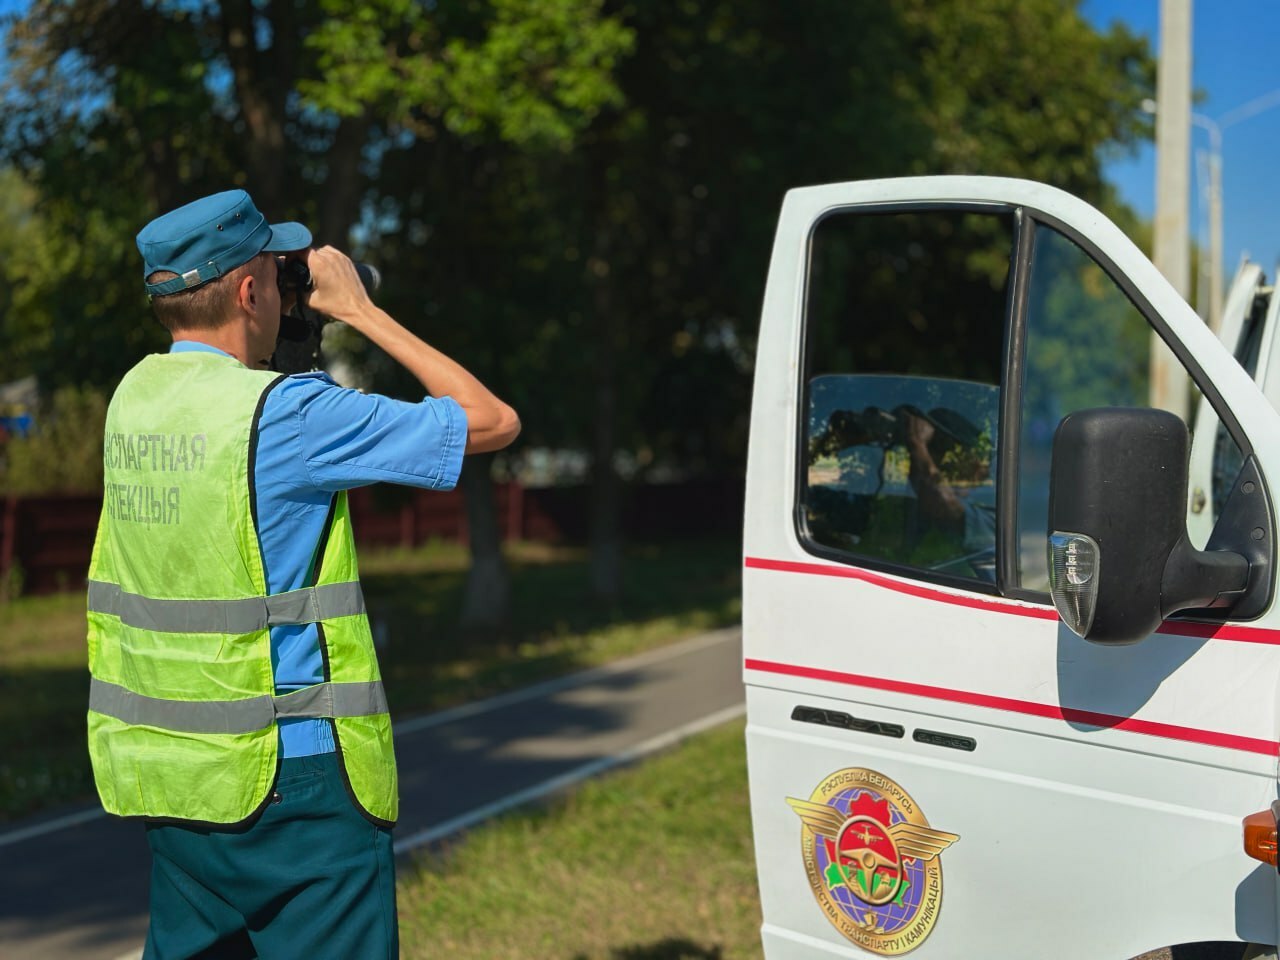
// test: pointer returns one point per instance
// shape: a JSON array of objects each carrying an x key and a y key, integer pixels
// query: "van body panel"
[
  {"x": 1099, "y": 807},
  {"x": 1043, "y": 867}
]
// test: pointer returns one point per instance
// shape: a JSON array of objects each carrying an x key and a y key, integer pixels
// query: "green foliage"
[
  {"x": 108, "y": 117},
  {"x": 542, "y": 72},
  {"x": 1087, "y": 344},
  {"x": 1025, "y": 88},
  {"x": 537, "y": 73},
  {"x": 64, "y": 452},
  {"x": 360, "y": 64},
  {"x": 25, "y": 260}
]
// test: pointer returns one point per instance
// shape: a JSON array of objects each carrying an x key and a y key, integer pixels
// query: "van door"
[{"x": 936, "y": 762}]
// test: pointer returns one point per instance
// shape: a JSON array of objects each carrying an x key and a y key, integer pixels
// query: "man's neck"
[{"x": 227, "y": 339}]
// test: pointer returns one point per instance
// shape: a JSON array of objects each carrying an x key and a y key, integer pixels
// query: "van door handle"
[
  {"x": 951, "y": 740},
  {"x": 834, "y": 718}
]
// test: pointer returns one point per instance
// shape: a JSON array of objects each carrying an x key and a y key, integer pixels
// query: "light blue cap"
[{"x": 208, "y": 237}]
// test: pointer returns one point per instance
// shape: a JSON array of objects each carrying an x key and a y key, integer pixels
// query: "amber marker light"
[{"x": 1260, "y": 841}]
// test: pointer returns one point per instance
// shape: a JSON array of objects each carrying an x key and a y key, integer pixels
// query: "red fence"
[{"x": 45, "y": 542}]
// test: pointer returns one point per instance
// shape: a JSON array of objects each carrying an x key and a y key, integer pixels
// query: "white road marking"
[
  {"x": 416, "y": 724},
  {"x": 61, "y": 823},
  {"x": 576, "y": 775}
]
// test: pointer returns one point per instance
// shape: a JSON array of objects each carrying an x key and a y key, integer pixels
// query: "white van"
[{"x": 1006, "y": 698}]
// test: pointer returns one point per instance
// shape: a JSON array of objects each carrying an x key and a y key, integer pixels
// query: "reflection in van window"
[
  {"x": 905, "y": 331},
  {"x": 1087, "y": 346}
]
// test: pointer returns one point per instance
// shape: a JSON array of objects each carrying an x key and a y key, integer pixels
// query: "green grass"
[
  {"x": 651, "y": 863},
  {"x": 672, "y": 591}
]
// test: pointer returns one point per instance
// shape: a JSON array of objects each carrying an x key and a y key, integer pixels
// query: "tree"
[{"x": 104, "y": 96}]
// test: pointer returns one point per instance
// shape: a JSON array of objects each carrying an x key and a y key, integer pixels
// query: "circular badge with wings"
[{"x": 872, "y": 860}]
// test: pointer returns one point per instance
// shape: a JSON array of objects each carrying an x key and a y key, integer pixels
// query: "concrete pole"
[
  {"x": 1203, "y": 229},
  {"x": 1168, "y": 390},
  {"x": 1215, "y": 239}
]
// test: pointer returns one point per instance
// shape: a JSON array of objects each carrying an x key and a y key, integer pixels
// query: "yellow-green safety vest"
[{"x": 182, "y": 701}]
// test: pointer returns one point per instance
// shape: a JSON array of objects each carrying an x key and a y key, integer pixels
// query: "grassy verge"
[
  {"x": 653, "y": 863},
  {"x": 428, "y": 662}
]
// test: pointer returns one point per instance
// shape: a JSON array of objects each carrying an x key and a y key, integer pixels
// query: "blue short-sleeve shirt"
[{"x": 314, "y": 439}]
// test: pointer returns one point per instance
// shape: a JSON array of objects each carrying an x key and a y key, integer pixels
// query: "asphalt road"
[{"x": 74, "y": 886}]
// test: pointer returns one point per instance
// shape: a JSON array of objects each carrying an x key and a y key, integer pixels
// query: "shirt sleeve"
[{"x": 347, "y": 439}]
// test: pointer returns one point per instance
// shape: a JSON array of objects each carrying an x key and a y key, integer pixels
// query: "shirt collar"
[{"x": 195, "y": 346}]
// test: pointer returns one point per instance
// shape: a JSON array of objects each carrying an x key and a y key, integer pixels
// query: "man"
[{"x": 236, "y": 702}]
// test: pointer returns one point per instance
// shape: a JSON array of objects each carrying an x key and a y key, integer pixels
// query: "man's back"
[{"x": 236, "y": 701}]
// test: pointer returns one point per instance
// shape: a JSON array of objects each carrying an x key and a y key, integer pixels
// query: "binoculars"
[
  {"x": 295, "y": 276},
  {"x": 298, "y": 342}
]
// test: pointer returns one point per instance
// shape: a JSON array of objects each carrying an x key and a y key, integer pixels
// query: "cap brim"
[{"x": 288, "y": 236}]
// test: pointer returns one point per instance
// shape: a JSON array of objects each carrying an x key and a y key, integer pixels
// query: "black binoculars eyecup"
[{"x": 298, "y": 342}]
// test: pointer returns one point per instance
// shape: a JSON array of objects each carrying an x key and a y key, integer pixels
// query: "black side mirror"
[{"x": 1119, "y": 558}]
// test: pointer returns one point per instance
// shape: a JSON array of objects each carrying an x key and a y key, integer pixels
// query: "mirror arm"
[
  {"x": 1246, "y": 527},
  {"x": 1201, "y": 578}
]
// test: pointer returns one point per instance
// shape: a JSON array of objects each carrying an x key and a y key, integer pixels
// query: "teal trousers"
[{"x": 310, "y": 878}]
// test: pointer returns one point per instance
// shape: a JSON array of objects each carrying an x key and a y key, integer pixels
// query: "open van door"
[{"x": 937, "y": 763}]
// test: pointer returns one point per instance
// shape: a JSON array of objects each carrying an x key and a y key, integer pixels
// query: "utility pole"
[
  {"x": 1215, "y": 232},
  {"x": 1168, "y": 389}
]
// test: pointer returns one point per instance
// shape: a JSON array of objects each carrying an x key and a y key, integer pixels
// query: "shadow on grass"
[
  {"x": 556, "y": 625},
  {"x": 44, "y": 758},
  {"x": 670, "y": 948}
]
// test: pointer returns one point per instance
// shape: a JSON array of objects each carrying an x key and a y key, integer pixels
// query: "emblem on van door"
[{"x": 872, "y": 860}]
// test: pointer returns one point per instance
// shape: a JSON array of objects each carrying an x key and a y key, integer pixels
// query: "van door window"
[
  {"x": 1087, "y": 345},
  {"x": 904, "y": 340}
]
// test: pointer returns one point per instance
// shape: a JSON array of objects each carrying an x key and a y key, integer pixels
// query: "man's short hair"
[{"x": 209, "y": 305}]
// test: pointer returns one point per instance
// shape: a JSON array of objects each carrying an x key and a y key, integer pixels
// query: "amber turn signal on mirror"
[{"x": 1260, "y": 841}]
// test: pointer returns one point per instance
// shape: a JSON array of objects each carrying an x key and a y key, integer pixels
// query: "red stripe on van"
[
  {"x": 1179, "y": 628},
  {"x": 1050, "y": 711}
]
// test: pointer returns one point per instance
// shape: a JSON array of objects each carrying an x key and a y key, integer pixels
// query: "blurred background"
[{"x": 575, "y": 198}]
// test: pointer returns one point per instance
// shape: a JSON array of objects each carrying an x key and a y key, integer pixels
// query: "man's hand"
[
  {"x": 916, "y": 432},
  {"x": 336, "y": 288}
]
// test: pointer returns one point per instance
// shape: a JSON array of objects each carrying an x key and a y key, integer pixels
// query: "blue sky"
[{"x": 1234, "y": 61}]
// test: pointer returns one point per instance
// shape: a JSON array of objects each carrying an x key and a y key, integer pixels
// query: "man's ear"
[{"x": 247, "y": 294}]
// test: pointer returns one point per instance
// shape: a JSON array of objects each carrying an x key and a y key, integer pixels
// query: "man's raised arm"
[{"x": 338, "y": 293}]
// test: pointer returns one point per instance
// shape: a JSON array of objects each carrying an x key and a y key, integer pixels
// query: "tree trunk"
[
  {"x": 260, "y": 96},
  {"x": 606, "y": 505},
  {"x": 606, "y": 485},
  {"x": 487, "y": 598},
  {"x": 344, "y": 184}
]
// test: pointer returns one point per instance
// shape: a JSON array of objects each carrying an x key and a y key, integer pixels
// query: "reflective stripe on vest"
[
  {"x": 236, "y": 716},
  {"x": 308, "y": 605}
]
